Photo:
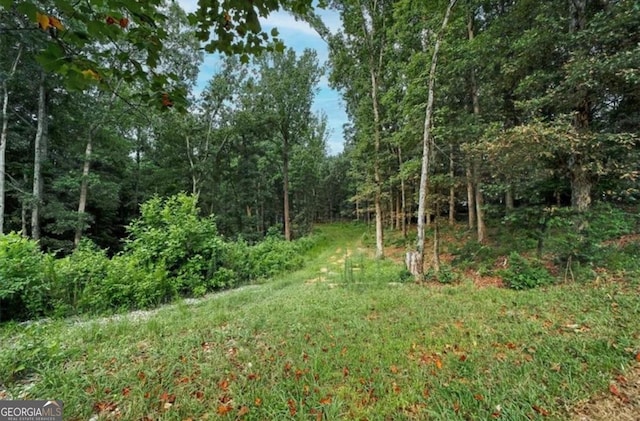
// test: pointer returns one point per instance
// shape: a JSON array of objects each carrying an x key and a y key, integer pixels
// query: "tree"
[
  {"x": 358, "y": 59},
  {"x": 3, "y": 134},
  {"x": 417, "y": 268},
  {"x": 287, "y": 86}
]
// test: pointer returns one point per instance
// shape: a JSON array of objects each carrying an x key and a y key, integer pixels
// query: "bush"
[
  {"x": 77, "y": 276},
  {"x": 274, "y": 256},
  {"x": 23, "y": 281},
  {"x": 446, "y": 275},
  {"x": 525, "y": 274},
  {"x": 171, "y": 231}
]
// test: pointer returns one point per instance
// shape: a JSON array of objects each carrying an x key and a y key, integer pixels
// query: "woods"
[
  {"x": 479, "y": 113},
  {"x": 182, "y": 238}
]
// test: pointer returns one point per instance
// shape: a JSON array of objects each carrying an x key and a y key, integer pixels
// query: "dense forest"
[{"x": 476, "y": 114}]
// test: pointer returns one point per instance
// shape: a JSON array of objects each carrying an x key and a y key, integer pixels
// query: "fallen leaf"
[
  {"x": 463, "y": 358},
  {"x": 478, "y": 397},
  {"x": 425, "y": 393},
  {"x": 345, "y": 371},
  {"x": 166, "y": 397},
  {"x": 638, "y": 357},
  {"x": 124, "y": 22},
  {"x": 224, "y": 409},
  {"x": 511, "y": 345},
  {"x": 326, "y": 400},
  {"x": 614, "y": 390},
  {"x": 126, "y": 391},
  {"x": 394, "y": 369},
  {"x": 224, "y": 385},
  {"x": 292, "y": 407},
  {"x": 105, "y": 406},
  {"x": 438, "y": 363},
  {"x": 540, "y": 410},
  {"x": 257, "y": 402},
  {"x": 244, "y": 410},
  {"x": 252, "y": 376}
]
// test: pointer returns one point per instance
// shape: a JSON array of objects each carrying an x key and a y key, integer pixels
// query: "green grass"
[{"x": 329, "y": 342}]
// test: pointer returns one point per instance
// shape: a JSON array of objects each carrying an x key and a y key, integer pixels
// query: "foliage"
[
  {"x": 525, "y": 273},
  {"x": 170, "y": 231},
  {"x": 23, "y": 277},
  {"x": 446, "y": 274},
  {"x": 347, "y": 351}
]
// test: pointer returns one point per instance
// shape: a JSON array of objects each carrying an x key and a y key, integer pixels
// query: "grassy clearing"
[{"x": 341, "y": 339}]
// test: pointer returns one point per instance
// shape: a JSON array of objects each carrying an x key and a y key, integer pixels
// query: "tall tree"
[
  {"x": 418, "y": 267},
  {"x": 287, "y": 90},
  {"x": 3, "y": 134},
  {"x": 359, "y": 52},
  {"x": 40, "y": 154}
]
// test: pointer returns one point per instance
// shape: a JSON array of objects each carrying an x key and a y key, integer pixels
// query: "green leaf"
[
  {"x": 6, "y": 4},
  {"x": 28, "y": 9},
  {"x": 274, "y": 32}
]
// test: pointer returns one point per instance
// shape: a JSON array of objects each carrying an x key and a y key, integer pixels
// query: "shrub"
[
  {"x": 171, "y": 231},
  {"x": 446, "y": 274},
  {"x": 23, "y": 281},
  {"x": 77, "y": 277},
  {"x": 525, "y": 274},
  {"x": 273, "y": 256}
]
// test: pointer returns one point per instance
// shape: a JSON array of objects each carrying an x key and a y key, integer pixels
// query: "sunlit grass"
[{"x": 326, "y": 343}]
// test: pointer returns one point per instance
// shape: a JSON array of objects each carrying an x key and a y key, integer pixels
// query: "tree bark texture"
[
  {"x": 3, "y": 135},
  {"x": 426, "y": 146},
  {"x": 40, "y": 150},
  {"x": 84, "y": 189},
  {"x": 471, "y": 197}
]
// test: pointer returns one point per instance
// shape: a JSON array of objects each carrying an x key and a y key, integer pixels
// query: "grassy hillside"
[{"x": 344, "y": 338}]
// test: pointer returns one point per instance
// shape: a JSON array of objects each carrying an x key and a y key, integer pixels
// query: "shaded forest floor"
[{"x": 346, "y": 337}]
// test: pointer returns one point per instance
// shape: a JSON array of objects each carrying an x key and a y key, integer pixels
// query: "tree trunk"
[
  {"x": 580, "y": 178},
  {"x": 403, "y": 198},
  {"x": 40, "y": 147},
  {"x": 471, "y": 197},
  {"x": 24, "y": 209},
  {"x": 285, "y": 188},
  {"x": 426, "y": 144},
  {"x": 436, "y": 246},
  {"x": 452, "y": 190},
  {"x": 376, "y": 165},
  {"x": 476, "y": 160},
  {"x": 3, "y": 135},
  {"x": 84, "y": 187},
  {"x": 508, "y": 199},
  {"x": 398, "y": 211},
  {"x": 580, "y": 190},
  {"x": 479, "y": 202}
]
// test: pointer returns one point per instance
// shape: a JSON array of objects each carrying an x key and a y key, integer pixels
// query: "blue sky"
[{"x": 297, "y": 35}]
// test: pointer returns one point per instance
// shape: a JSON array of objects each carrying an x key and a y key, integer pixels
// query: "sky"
[{"x": 297, "y": 35}]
